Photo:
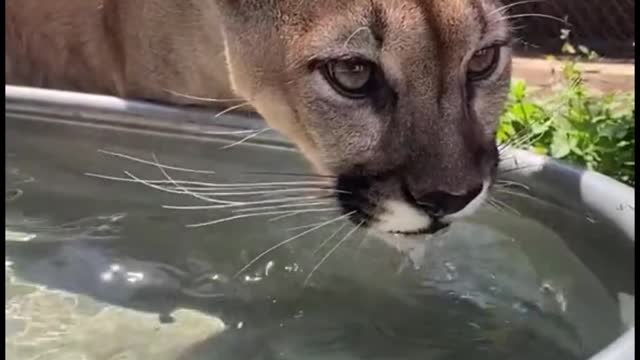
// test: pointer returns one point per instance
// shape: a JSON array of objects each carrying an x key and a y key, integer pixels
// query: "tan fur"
[
  {"x": 262, "y": 51},
  {"x": 136, "y": 49}
]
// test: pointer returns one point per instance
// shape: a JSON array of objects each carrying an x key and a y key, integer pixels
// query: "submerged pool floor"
[{"x": 99, "y": 269}]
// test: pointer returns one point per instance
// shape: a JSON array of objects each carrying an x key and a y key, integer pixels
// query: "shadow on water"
[
  {"x": 343, "y": 317},
  {"x": 477, "y": 294}
]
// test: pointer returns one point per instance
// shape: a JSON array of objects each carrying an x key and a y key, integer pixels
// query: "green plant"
[
  {"x": 579, "y": 51},
  {"x": 595, "y": 132}
]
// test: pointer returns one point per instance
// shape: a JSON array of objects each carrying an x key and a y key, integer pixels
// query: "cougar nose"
[{"x": 440, "y": 203}]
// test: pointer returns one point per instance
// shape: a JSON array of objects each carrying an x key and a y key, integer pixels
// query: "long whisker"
[
  {"x": 512, "y": 183},
  {"x": 520, "y": 137},
  {"x": 255, "y": 188},
  {"x": 517, "y": 136},
  {"x": 242, "y": 216},
  {"x": 197, "y": 196},
  {"x": 230, "y": 109},
  {"x": 530, "y": 139},
  {"x": 329, "y": 238},
  {"x": 244, "y": 203},
  {"x": 200, "y": 183},
  {"x": 331, "y": 251},
  {"x": 544, "y": 16},
  {"x": 509, "y": 6},
  {"x": 515, "y": 193},
  {"x": 153, "y": 186},
  {"x": 506, "y": 206},
  {"x": 259, "y": 208},
  {"x": 231, "y": 132},
  {"x": 133, "y": 158},
  {"x": 246, "y": 138},
  {"x": 283, "y": 243},
  {"x": 513, "y": 139},
  {"x": 364, "y": 240},
  {"x": 358, "y": 30},
  {"x": 290, "y": 174},
  {"x": 304, "y": 226},
  {"x": 191, "y": 97},
  {"x": 280, "y": 217},
  {"x": 494, "y": 205},
  {"x": 269, "y": 192}
]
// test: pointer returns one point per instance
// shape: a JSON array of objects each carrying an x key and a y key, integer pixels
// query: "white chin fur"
[{"x": 401, "y": 217}]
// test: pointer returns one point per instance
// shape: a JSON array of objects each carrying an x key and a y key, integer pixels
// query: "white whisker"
[
  {"x": 220, "y": 185},
  {"x": 358, "y": 30},
  {"x": 494, "y": 205},
  {"x": 506, "y": 206},
  {"x": 303, "y": 226},
  {"x": 329, "y": 238},
  {"x": 197, "y": 196},
  {"x": 153, "y": 186},
  {"x": 282, "y": 243},
  {"x": 512, "y": 183},
  {"x": 331, "y": 251},
  {"x": 142, "y": 161},
  {"x": 282, "y": 206},
  {"x": 231, "y": 108},
  {"x": 241, "y": 203},
  {"x": 246, "y": 138},
  {"x": 242, "y": 216},
  {"x": 364, "y": 240},
  {"x": 186, "y": 96},
  {"x": 543, "y": 16},
  {"x": 231, "y": 132},
  {"x": 249, "y": 188},
  {"x": 269, "y": 192},
  {"x": 528, "y": 139},
  {"x": 515, "y": 193},
  {"x": 221, "y": 204},
  {"x": 506, "y": 7},
  {"x": 280, "y": 217}
]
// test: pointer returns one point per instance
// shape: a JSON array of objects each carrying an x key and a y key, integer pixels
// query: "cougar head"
[{"x": 398, "y": 100}]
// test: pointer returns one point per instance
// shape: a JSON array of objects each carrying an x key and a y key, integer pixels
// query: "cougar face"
[{"x": 398, "y": 99}]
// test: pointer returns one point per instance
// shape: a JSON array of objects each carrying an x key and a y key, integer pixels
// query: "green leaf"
[
  {"x": 568, "y": 49},
  {"x": 540, "y": 150},
  {"x": 519, "y": 90},
  {"x": 560, "y": 146},
  {"x": 592, "y": 131},
  {"x": 539, "y": 128},
  {"x": 583, "y": 49}
]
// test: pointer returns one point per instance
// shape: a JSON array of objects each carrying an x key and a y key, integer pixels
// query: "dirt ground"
[{"x": 603, "y": 77}]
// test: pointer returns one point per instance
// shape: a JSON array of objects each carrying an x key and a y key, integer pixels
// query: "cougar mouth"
[
  {"x": 435, "y": 226},
  {"x": 400, "y": 216}
]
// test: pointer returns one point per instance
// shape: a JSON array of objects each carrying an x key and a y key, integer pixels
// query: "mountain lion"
[{"x": 397, "y": 100}]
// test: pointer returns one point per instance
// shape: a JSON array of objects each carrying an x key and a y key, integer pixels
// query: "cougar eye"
[
  {"x": 483, "y": 63},
  {"x": 351, "y": 78}
]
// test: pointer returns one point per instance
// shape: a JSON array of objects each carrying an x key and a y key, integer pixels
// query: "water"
[{"x": 97, "y": 269}]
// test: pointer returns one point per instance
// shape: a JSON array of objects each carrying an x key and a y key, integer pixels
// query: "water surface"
[{"x": 98, "y": 269}]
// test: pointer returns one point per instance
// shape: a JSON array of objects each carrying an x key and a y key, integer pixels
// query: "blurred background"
[{"x": 604, "y": 26}]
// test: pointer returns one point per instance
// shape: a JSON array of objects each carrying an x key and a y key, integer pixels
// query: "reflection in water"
[
  {"x": 99, "y": 271},
  {"x": 19, "y": 227},
  {"x": 452, "y": 304}
]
